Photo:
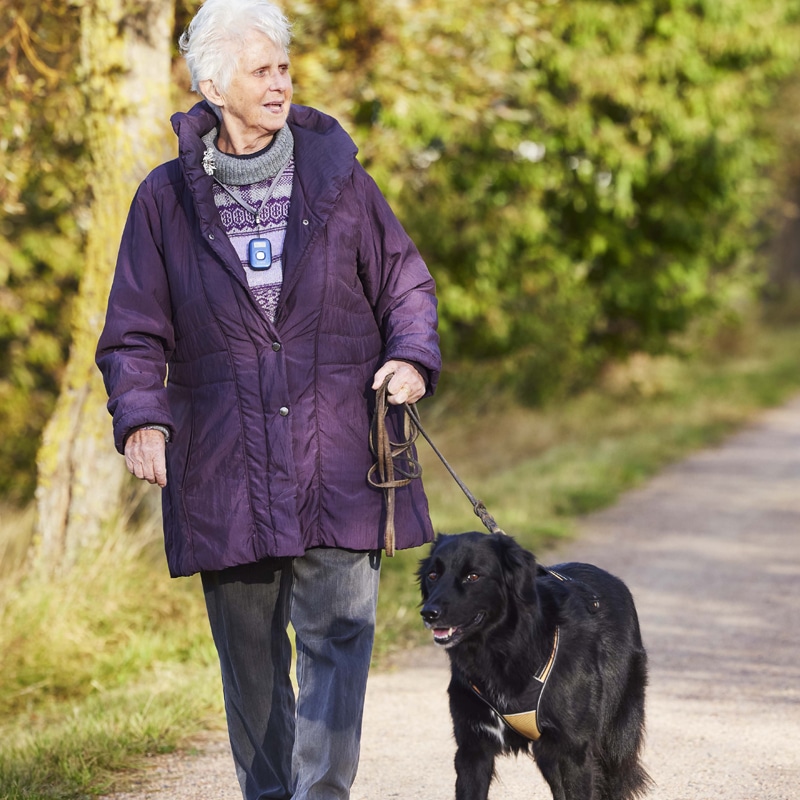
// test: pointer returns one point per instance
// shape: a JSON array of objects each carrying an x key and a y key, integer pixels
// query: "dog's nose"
[{"x": 430, "y": 614}]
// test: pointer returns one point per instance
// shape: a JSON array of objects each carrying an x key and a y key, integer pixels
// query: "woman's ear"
[{"x": 209, "y": 90}]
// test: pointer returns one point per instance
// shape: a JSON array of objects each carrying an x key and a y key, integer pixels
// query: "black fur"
[{"x": 503, "y": 611}]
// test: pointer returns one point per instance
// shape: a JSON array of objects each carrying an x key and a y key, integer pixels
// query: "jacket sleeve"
[
  {"x": 138, "y": 336},
  {"x": 397, "y": 283}
]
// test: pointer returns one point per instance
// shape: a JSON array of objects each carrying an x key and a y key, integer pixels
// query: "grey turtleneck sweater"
[{"x": 252, "y": 194}]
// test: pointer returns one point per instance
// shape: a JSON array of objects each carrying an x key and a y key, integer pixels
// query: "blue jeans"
[{"x": 305, "y": 748}]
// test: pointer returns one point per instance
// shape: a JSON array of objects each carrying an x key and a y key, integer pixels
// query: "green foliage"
[
  {"x": 42, "y": 195},
  {"x": 94, "y": 629},
  {"x": 88, "y": 749},
  {"x": 585, "y": 178}
]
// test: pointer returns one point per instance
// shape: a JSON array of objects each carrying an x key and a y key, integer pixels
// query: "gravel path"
[{"x": 711, "y": 551}]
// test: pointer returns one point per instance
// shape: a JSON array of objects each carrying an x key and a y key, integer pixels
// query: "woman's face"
[{"x": 256, "y": 104}]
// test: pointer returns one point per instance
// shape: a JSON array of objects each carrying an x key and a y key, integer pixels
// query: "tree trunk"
[{"x": 126, "y": 68}]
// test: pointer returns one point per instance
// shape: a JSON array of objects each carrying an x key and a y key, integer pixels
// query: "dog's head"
[{"x": 467, "y": 581}]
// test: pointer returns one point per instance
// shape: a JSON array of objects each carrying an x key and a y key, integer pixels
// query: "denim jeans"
[{"x": 305, "y": 748}]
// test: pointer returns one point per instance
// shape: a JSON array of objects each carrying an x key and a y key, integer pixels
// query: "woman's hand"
[
  {"x": 406, "y": 386},
  {"x": 145, "y": 456}
]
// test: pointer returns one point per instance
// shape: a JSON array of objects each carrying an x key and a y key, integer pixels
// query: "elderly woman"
[{"x": 263, "y": 291}]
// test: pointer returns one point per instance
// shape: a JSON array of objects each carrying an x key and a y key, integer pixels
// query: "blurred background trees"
[
  {"x": 124, "y": 70},
  {"x": 587, "y": 179},
  {"x": 44, "y": 196}
]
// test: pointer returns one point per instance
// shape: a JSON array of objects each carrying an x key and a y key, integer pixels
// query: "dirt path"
[{"x": 711, "y": 551}]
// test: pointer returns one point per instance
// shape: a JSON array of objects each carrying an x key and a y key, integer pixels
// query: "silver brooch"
[{"x": 208, "y": 161}]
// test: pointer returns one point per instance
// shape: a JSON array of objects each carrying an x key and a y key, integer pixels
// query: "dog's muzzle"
[{"x": 447, "y": 636}]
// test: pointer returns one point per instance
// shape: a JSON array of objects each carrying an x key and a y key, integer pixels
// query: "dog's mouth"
[{"x": 448, "y": 637}]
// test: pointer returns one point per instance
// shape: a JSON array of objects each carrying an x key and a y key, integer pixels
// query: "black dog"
[{"x": 544, "y": 661}]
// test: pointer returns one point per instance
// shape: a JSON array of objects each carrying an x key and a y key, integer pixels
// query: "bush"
[{"x": 585, "y": 178}]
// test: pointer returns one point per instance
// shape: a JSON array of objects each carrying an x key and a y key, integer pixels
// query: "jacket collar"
[
  {"x": 325, "y": 157},
  {"x": 190, "y": 127},
  {"x": 327, "y": 152}
]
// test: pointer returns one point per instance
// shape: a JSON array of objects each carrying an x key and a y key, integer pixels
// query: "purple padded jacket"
[{"x": 269, "y": 422}]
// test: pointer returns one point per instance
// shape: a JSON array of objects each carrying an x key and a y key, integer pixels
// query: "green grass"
[
  {"x": 114, "y": 660},
  {"x": 99, "y": 667},
  {"x": 88, "y": 744},
  {"x": 537, "y": 471}
]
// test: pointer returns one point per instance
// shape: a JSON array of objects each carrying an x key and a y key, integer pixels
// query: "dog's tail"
[{"x": 626, "y": 777}]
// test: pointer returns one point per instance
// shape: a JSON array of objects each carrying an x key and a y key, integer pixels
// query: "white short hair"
[{"x": 212, "y": 41}]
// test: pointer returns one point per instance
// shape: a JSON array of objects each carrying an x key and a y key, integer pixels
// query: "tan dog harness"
[{"x": 523, "y": 722}]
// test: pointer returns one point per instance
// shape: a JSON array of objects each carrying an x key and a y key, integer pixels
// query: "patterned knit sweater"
[{"x": 252, "y": 194}]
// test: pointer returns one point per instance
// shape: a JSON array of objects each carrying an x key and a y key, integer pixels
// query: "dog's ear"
[{"x": 518, "y": 565}]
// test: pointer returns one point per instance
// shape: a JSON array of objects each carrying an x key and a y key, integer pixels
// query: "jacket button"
[
  {"x": 276, "y": 346},
  {"x": 211, "y": 236},
  {"x": 305, "y": 222},
  {"x": 283, "y": 411}
]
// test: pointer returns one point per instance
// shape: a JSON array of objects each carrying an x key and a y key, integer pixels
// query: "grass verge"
[
  {"x": 100, "y": 667},
  {"x": 537, "y": 471},
  {"x": 114, "y": 660}
]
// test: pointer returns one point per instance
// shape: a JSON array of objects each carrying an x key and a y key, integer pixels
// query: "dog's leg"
[
  {"x": 580, "y": 782},
  {"x": 479, "y": 739},
  {"x": 474, "y": 771},
  {"x": 571, "y": 774}
]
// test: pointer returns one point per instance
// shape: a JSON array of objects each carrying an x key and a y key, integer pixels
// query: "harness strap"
[
  {"x": 526, "y": 723},
  {"x": 593, "y": 605},
  {"x": 545, "y": 671}
]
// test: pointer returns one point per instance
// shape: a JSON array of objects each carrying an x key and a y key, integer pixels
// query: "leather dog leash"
[
  {"x": 388, "y": 455},
  {"x": 477, "y": 505},
  {"x": 382, "y": 473}
]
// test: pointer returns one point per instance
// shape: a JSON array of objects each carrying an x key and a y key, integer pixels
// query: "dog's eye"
[
  {"x": 472, "y": 577},
  {"x": 433, "y": 576}
]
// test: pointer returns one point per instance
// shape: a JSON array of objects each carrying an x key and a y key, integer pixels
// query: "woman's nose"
[{"x": 280, "y": 82}]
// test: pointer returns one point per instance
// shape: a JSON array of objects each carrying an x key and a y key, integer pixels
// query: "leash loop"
[{"x": 393, "y": 459}]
